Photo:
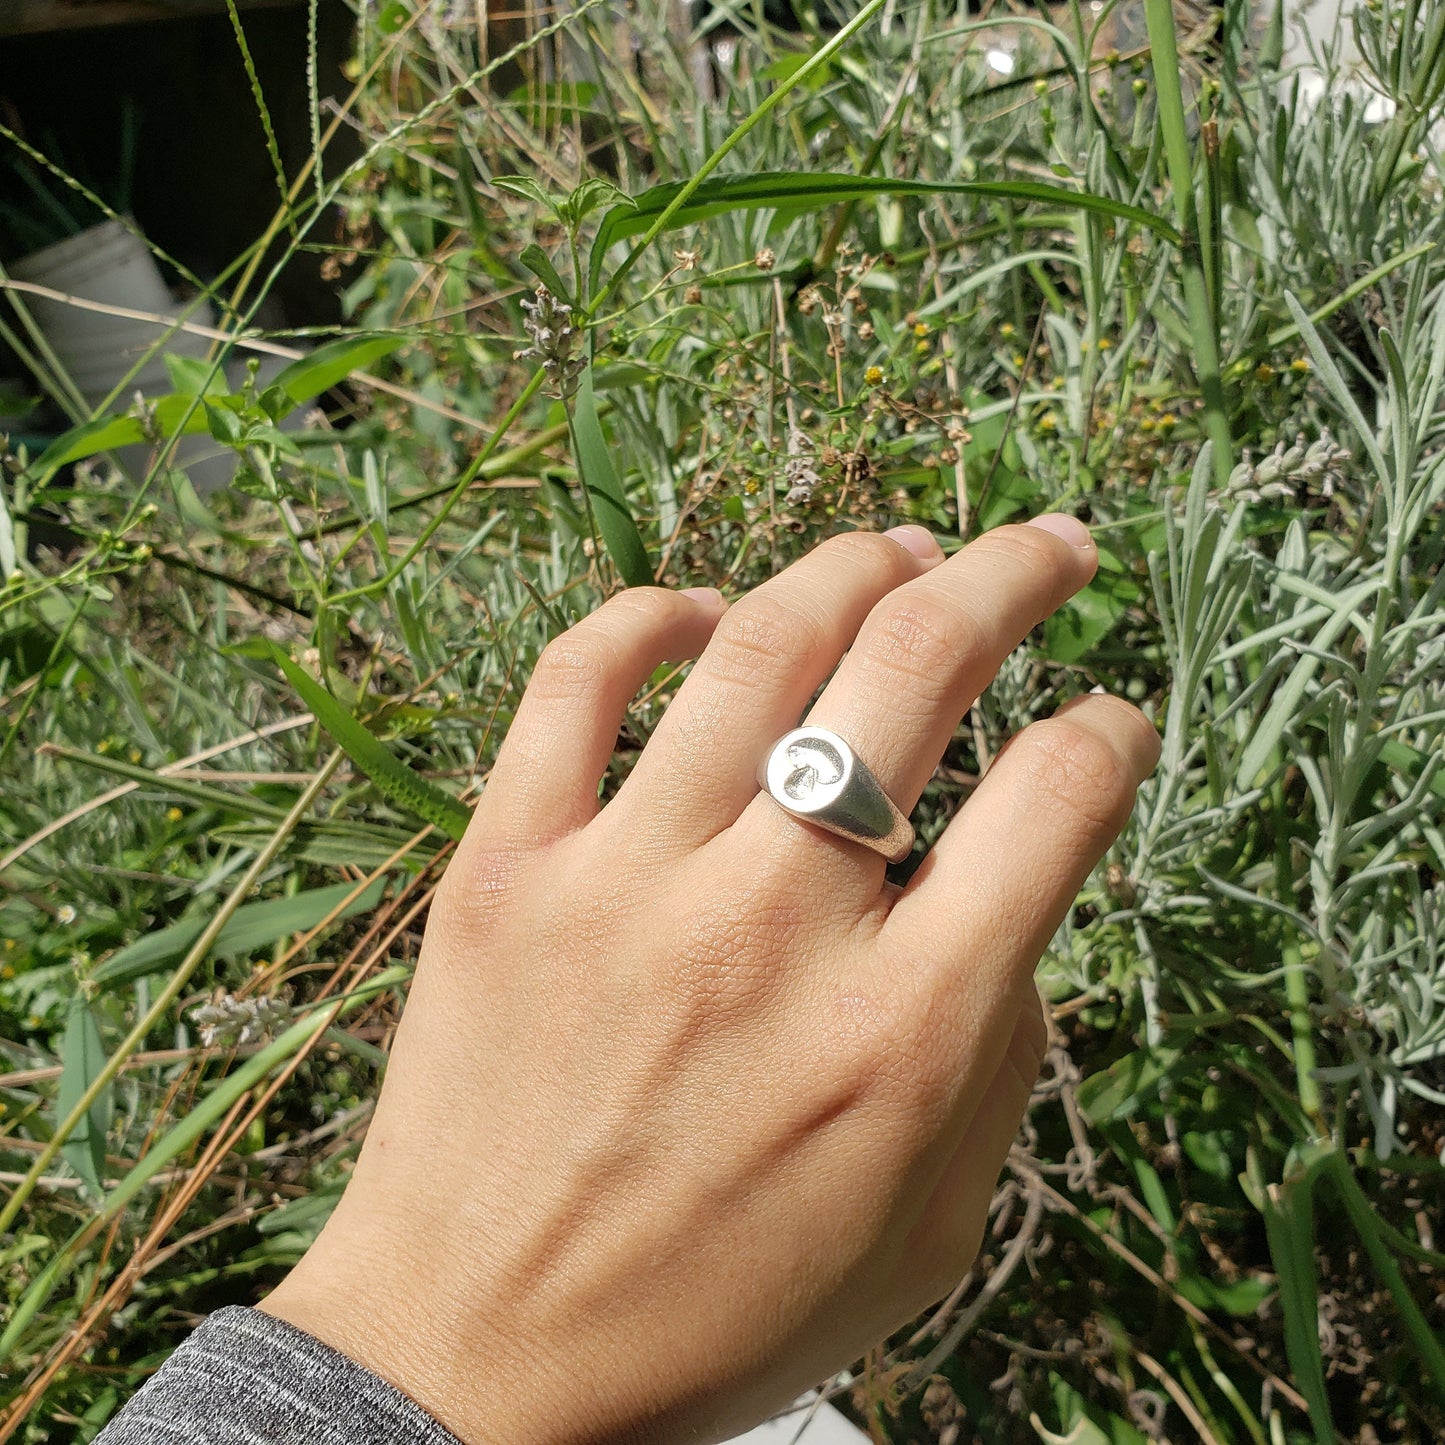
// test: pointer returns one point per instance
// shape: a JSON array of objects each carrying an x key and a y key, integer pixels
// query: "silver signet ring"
[{"x": 814, "y": 775}]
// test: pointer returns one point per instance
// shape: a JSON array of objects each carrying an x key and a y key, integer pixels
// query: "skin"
[{"x": 689, "y": 1108}]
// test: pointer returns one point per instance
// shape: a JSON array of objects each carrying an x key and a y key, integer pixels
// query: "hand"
[{"x": 689, "y": 1107}]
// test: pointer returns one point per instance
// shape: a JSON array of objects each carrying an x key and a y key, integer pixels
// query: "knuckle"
[
  {"x": 925, "y": 640},
  {"x": 573, "y": 665},
  {"x": 760, "y": 638},
  {"x": 481, "y": 882},
  {"x": 1034, "y": 549},
  {"x": 652, "y": 607},
  {"x": 1074, "y": 771},
  {"x": 868, "y": 551}
]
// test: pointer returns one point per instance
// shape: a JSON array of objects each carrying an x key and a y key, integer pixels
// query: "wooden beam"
[{"x": 38, "y": 17}]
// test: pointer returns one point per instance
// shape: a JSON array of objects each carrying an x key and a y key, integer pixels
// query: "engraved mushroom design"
[{"x": 815, "y": 763}]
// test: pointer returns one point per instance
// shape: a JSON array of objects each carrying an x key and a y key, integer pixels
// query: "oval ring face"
[{"x": 808, "y": 769}]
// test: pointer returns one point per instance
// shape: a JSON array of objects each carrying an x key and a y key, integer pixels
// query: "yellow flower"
[
  {"x": 1048, "y": 422},
  {"x": 921, "y": 329},
  {"x": 1007, "y": 329},
  {"x": 1104, "y": 343},
  {"x": 873, "y": 375},
  {"x": 1300, "y": 364},
  {"x": 1263, "y": 371},
  {"x": 174, "y": 815}
]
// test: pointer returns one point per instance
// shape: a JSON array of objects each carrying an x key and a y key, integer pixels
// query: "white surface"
[{"x": 825, "y": 1427}]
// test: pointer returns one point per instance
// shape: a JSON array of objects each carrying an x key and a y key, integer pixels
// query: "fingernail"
[
  {"x": 918, "y": 540},
  {"x": 703, "y": 596},
  {"x": 1061, "y": 524}
]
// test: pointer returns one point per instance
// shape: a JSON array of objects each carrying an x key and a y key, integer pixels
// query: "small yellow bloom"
[
  {"x": 7, "y": 970},
  {"x": 1300, "y": 364},
  {"x": 921, "y": 329},
  {"x": 1105, "y": 343},
  {"x": 873, "y": 375},
  {"x": 174, "y": 815},
  {"x": 135, "y": 755},
  {"x": 1048, "y": 422},
  {"x": 1168, "y": 419},
  {"x": 1263, "y": 371},
  {"x": 1007, "y": 329}
]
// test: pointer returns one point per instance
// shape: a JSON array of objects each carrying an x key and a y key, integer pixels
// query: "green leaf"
[
  {"x": 1088, "y": 617},
  {"x": 1242, "y": 1298},
  {"x": 334, "y": 362},
  {"x": 1289, "y": 1228},
  {"x": 176, "y": 413},
  {"x": 393, "y": 779},
  {"x": 190, "y": 376},
  {"x": 100, "y": 435},
  {"x": 82, "y": 1057},
  {"x": 799, "y": 191},
  {"x": 595, "y": 191},
  {"x": 529, "y": 190},
  {"x": 539, "y": 263},
  {"x": 225, "y": 425},
  {"x": 1113, "y": 1093},
  {"x": 253, "y": 926},
  {"x": 1082, "y": 1422},
  {"x": 609, "y": 502}
]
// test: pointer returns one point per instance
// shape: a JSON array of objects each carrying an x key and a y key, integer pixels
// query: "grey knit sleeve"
[{"x": 244, "y": 1378}]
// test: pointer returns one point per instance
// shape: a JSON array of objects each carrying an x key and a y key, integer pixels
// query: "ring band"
[{"x": 814, "y": 775}]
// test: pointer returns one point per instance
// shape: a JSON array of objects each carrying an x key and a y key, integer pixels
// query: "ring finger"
[{"x": 922, "y": 658}]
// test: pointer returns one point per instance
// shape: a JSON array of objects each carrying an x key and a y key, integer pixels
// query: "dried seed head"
[
  {"x": 554, "y": 338},
  {"x": 228, "y": 1021}
]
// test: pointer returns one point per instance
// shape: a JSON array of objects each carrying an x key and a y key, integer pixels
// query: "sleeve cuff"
[{"x": 246, "y": 1378}]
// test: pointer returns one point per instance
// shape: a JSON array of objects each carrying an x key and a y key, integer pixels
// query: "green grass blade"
[
  {"x": 185, "y": 1133},
  {"x": 604, "y": 489},
  {"x": 1426, "y": 1343},
  {"x": 333, "y": 363},
  {"x": 82, "y": 1058},
  {"x": 1289, "y": 1228},
  {"x": 796, "y": 192},
  {"x": 393, "y": 779},
  {"x": 273, "y": 150},
  {"x": 254, "y": 926},
  {"x": 1203, "y": 323}
]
